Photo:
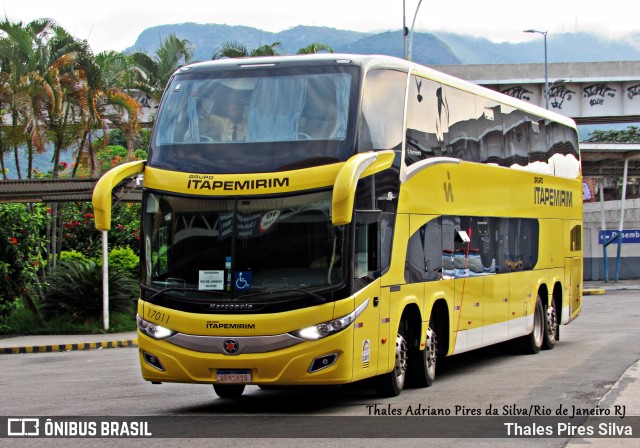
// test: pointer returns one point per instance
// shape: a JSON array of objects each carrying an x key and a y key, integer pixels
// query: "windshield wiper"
[
  {"x": 175, "y": 288},
  {"x": 318, "y": 298}
]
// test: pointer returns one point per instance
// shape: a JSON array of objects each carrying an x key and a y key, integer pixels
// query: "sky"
[{"x": 116, "y": 24}]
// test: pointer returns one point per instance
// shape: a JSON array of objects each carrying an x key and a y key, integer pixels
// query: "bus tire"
[
  {"x": 532, "y": 343},
  {"x": 550, "y": 326},
  {"x": 422, "y": 363},
  {"x": 391, "y": 384},
  {"x": 228, "y": 390}
]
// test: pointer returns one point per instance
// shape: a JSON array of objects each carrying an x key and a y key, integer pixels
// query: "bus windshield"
[
  {"x": 241, "y": 246},
  {"x": 265, "y": 118}
]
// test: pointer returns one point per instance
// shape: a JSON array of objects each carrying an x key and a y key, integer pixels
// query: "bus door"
[
  {"x": 573, "y": 268},
  {"x": 368, "y": 355},
  {"x": 460, "y": 257}
]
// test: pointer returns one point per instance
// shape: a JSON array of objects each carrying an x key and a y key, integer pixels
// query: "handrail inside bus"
[
  {"x": 102, "y": 193},
  {"x": 344, "y": 188}
]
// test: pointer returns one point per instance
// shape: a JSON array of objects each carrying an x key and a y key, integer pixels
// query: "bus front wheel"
[
  {"x": 392, "y": 383},
  {"x": 228, "y": 390}
]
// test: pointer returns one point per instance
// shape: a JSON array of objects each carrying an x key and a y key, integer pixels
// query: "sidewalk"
[
  {"x": 65, "y": 342},
  {"x": 625, "y": 392},
  {"x": 600, "y": 287}
]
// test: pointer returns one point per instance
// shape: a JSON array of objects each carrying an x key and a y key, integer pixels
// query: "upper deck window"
[
  {"x": 382, "y": 116},
  {"x": 443, "y": 120},
  {"x": 286, "y": 115}
]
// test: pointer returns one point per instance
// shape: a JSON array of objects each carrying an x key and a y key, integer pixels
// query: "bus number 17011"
[{"x": 158, "y": 316}]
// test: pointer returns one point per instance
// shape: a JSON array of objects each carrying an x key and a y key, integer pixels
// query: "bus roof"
[{"x": 372, "y": 62}]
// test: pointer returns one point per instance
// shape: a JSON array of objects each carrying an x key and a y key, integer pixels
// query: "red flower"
[
  {"x": 120, "y": 226},
  {"x": 13, "y": 240},
  {"x": 49, "y": 210},
  {"x": 88, "y": 215}
]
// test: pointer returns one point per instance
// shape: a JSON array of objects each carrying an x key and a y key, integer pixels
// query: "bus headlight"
[
  {"x": 325, "y": 329},
  {"x": 153, "y": 330}
]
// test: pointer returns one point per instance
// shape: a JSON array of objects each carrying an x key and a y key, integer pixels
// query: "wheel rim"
[
  {"x": 538, "y": 327},
  {"x": 401, "y": 359},
  {"x": 431, "y": 355},
  {"x": 552, "y": 323}
]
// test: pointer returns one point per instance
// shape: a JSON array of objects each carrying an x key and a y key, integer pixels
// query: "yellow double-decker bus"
[{"x": 325, "y": 219}]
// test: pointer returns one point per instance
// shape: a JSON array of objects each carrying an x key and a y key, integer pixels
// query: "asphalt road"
[{"x": 592, "y": 353}]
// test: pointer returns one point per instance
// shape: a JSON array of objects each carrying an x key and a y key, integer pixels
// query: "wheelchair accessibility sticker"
[{"x": 242, "y": 280}]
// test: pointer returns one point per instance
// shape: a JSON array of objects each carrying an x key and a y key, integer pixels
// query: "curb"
[
  {"x": 593, "y": 291},
  {"x": 68, "y": 347}
]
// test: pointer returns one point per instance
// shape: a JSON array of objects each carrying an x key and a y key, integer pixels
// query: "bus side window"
[
  {"x": 576, "y": 238},
  {"x": 450, "y": 227},
  {"x": 366, "y": 250},
  {"x": 462, "y": 139},
  {"x": 382, "y": 116},
  {"x": 490, "y": 133},
  {"x": 424, "y": 254},
  {"x": 424, "y": 136}
]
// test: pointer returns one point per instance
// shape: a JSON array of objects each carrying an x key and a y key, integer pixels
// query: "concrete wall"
[
  {"x": 593, "y": 252},
  {"x": 585, "y": 91}
]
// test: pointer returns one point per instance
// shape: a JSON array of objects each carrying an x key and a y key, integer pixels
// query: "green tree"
[
  {"x": 315, "y": 47},
  {"x": 629, "y": 135},
  {"x": 105, "y": 78},
  {"x": 22, "y": 247},
  {"x": 61, "y": 74},
  {"x": 155, "y": 71},
  {"x": 75, "y": 289},
  {"x": 231, "y": 49},
  {"x": 21, "y": 48}
]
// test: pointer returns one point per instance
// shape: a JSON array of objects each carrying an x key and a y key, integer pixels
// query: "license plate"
[{"x": 233, "y": 376}]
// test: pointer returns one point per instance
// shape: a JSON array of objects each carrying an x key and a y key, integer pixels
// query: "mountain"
[
  {"x": 428, "y": 48},
  {"x": 207, "y": 38},
  {"x": 565, "y": 47}
]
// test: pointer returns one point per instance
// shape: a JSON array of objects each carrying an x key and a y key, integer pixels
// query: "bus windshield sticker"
[
  {"x": 212, "y": 280},
  {"x": 242, "y": 280}
]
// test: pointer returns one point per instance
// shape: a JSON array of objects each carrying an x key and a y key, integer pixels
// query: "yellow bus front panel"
[
  {"x": 192, "y": 357},
  {"x": 287, "y": 366}
]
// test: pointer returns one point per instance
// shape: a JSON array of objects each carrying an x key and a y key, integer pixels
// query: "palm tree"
[
  {"x": 315, "y": 47},
  {"x": 5, "y": 98},
  {"x": 60, "y": 73},
  {"x": 231, "y": 49},
  {"x": 21, "y": 49},
  {"x": 156, "y": 71},
  {"x": 104, "y": 100}
]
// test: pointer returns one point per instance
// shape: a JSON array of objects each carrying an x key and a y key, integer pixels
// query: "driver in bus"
[{"x": 230, "y": 127}]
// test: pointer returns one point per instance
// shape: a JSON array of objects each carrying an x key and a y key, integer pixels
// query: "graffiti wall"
[{"x": 583, "y": 100}]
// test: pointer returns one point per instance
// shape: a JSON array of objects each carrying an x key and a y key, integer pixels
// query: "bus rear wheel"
[
  {"x": 422, "y": 363},
  {"x": 550, "y": 327},
  {"x": 228, "y": 390},
  {"x": 532, "y": 343},
  {"x": 392, "y": 383}
]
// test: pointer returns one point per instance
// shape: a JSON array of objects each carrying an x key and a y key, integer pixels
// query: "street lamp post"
[
  {"x": 406, "y": 32},
  {"x": 546, "y": 67}
]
